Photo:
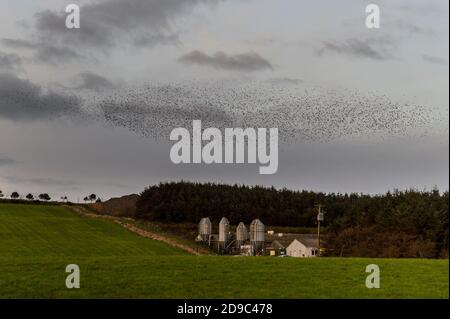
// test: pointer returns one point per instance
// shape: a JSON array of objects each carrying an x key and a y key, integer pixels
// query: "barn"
[{"x": 303, "y": 245}]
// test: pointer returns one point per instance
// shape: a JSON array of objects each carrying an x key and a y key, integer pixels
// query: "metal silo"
[
  {"x": 257, "y": 235},
  {"x": 204, "y": 228},
  {"x": 224, "y": 230},
  {"x": 241, "y": 235}
]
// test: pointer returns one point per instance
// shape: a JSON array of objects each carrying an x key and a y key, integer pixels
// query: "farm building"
[
  {"x": 278, "y": 244},
  {"x": 303, "y": 245},
  {"x": 256, "y": 241},
  {"x": 275, "y": 248}
]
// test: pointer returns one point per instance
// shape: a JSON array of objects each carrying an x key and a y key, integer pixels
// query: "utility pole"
[{"x": 319, "y": 219}]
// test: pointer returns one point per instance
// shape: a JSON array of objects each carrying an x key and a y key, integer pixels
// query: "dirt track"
[{"x": 141, "y": 232}]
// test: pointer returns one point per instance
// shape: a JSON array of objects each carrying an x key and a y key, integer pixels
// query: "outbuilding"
[{"x": 303, "y": 246}]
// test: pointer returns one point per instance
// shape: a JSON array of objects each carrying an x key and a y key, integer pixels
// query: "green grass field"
[{"x": 37, "y": 242}]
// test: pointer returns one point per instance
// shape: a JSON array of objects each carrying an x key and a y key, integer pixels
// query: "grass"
[
  {"x": 51, "y": 231},
  {"x": 37, "y": 242},
  {"x": 182, "y": 233}
]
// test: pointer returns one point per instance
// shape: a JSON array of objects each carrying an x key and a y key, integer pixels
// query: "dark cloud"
[
  {"x": 44, "y": 52},
  {"x": 104, "y": 25},
  {"x": 6, "y": 160},
  {"x": 249, "y": 61},
  {"x": 374, "y": 49},
  {"x": 107, "y": 23},
  {"x": 22, "y": 100},
  {"x": 94, "y": 82},
  {"x": 10, "y": 61},
  {"x": 434, "y": 59}
]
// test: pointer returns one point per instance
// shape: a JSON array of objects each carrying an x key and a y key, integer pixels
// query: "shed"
[{"x": 275, "y": 248}]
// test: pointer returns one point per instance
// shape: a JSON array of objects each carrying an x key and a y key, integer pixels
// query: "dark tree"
[
  {"x": 29, "y": 196},
  {"x": 15, "y": 195},
  {"x": 92, "y": 197},
  {"x": 44, "y": 197},
  {"x": 396, "y": 224}
]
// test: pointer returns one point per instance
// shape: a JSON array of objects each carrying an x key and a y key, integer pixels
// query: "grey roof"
[
  {"x": 275, "y": 245},
  {"x": 309, "y": 240}
]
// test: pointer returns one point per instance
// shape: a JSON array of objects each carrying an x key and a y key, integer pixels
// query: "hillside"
[
  {"x": 52, "y": 231},
  {"x": 37, "y": 242},
  {"x": 117, "y": 206}
]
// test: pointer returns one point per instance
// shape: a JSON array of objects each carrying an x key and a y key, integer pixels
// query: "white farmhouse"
[{"x": 303, "y": 246}]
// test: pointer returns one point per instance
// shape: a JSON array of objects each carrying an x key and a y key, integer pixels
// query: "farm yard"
[{"x": 38, "y": 241}]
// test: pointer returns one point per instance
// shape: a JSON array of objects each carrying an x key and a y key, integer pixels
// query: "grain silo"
[
  {"x": 257, "y": 236},
  {"x": 204, "y": 228},
  {"x": 241, "y": 235},
  {"x": 224, "y": 230}
]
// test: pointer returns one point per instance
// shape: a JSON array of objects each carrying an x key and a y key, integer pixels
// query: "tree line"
[
  {"x": 29, "y": 196},
  {"x": 46, "y": 197},
  {"x": 396, "y": 224}
]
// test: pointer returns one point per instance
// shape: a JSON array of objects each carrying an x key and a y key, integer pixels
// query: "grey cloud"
[
  {"x": 56, "y": 55},
  {"x": 149, "y": 40},
  {"x": 10, "y": 61},
  {"x": 421, "y": 8},
  {"x": 44, "y": 52},
  {"x": 94, "y": 82},
  {"x": 355, "y": 47},
  {"x": 45, "y": 181},
  {"x": 18, "y": 43},
  {"x": 22, "y": 100},
  {"x": 264, "y": 41},
  {"x": 106, "y": 23},
  {"x": 6, "y": 160},
  {"x": 434, "y": 59},
  {"x": 284, "y": 81},
  {"x": 249, "y": 61},
  {"x": 413, "y": 28},
  {"x": 117, "y": 185}
]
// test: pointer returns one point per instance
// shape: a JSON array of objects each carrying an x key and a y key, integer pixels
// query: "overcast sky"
[{"x": 90, "y": 110}]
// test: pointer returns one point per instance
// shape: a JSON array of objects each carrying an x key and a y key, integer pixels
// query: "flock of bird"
[{"x": 300, "y": 114}]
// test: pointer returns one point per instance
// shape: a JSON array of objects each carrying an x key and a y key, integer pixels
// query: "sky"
[{"x": 90, "y": 110}]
